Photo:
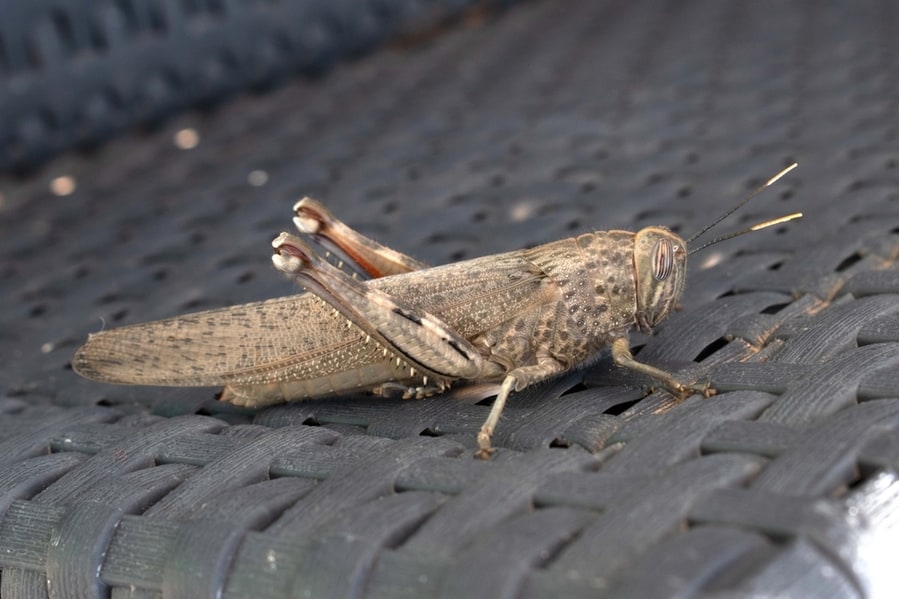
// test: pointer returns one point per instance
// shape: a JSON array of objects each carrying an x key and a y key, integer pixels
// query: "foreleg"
[{"x": 621, "y": 354}]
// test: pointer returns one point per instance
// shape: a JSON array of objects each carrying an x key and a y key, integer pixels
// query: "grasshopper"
[{"x": 515, "y": 318}]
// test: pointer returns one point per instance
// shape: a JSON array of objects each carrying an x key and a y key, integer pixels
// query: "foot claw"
[
  {"x": 484, "y": 453},
  {"x": 682, "y": 391},
  {"x": 485, "y": 450},
  {"x": 704, "y": 389}
]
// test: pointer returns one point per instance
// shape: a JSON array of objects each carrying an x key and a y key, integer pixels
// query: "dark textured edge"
[{"x": 77, "y": 73}]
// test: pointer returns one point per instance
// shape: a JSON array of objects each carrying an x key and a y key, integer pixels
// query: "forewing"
[
  {"x": 473, "y": 296},
  {"x": 300, "y": 337},
  {"x": 252, "y": 343}
]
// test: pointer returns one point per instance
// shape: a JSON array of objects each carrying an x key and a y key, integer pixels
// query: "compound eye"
[{"x": 663, "y": 259}]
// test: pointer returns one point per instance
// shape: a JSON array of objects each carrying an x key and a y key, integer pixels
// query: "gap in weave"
[{"x": 710, "y": 349}]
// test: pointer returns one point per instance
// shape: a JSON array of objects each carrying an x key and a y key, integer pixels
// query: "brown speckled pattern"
[{"x": 593, "y": 279}]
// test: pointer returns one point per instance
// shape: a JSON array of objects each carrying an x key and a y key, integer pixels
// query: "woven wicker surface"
[{"x": 547, "y": 120}]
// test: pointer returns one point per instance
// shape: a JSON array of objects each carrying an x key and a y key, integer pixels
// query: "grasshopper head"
[{"x": 660, "y": 263}]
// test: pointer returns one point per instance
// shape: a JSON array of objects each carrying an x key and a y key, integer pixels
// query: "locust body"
[
  {"x": 515, "y": 318},
  {"x": 561, "y": 302}
]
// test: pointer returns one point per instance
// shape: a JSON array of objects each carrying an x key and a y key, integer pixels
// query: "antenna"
[
  {"x": 739, "y": 205},
  {"x": 757, "y": 227}
]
